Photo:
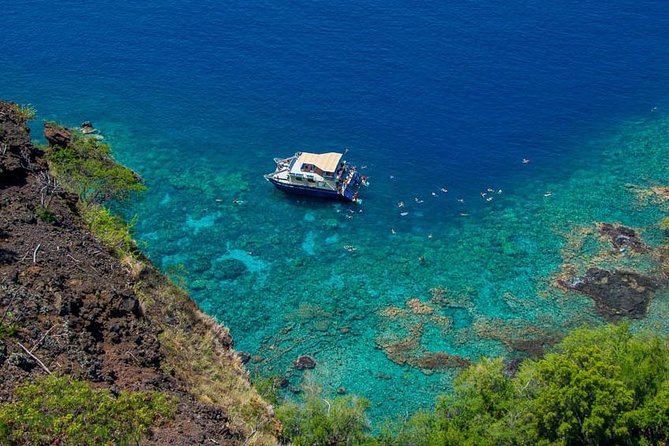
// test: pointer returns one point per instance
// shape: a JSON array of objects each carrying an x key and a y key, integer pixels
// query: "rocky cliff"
[{"x": 79, "y": 309}]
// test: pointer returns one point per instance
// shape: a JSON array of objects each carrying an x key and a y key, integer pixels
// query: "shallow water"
[{"x": 199, "y": 99}]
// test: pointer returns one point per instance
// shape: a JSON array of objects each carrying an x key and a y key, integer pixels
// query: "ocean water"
[{"x": 198, "y": 97}]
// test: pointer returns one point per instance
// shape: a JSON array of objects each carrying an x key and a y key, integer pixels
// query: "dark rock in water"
[
  {"x": 617, "y": 294},
  {"x": 533, "y": 348},
  {"x": 281, "y": 382},
  {"x": 341, "y": 391},
  {"x": 305, "y": 362},
  {"x": 199, "y": 265},
  {"x": 244, "y": 357},
  {"x": 622, "y": 237},
  {"x": 57, "y": 135},
  {"x": 231, "y": 269}
]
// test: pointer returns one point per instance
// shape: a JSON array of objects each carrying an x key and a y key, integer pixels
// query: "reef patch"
[{"x": 617, "y": 294}]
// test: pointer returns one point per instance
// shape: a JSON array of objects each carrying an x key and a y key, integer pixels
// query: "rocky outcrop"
[
  {"x": 16, "y": 153},
  {"x": 57, "y": 135},
  {"x": 622, "y": 237},
  {"x": 304, "y": 362},
  {"x": 617, "y": 294}
]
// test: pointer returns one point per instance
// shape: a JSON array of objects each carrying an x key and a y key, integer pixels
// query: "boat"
[{"x": 324, "y": 175}]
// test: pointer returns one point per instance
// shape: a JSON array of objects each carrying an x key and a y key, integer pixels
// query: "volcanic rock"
[
  {"x": 617, "y": 294},
  {"x": 57, "y": 135},
  {"x": 305, "y": 362},
  {"x": 622, "y": 237}
]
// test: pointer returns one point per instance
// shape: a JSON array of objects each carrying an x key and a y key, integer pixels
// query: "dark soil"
[{"x": 73, "y": 303}]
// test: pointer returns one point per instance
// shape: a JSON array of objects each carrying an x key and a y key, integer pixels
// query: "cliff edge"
[{"x": 82, "y": 309}]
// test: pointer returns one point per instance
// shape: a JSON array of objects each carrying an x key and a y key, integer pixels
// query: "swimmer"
[
  {"x": 363, "y": 167},
  {"x": 548, "y": 194},
  {"x": 499, "y": 191},
  {"x": 392, "y": 231},
  {"x": 490, "y": 190},
  {"x": 434, "y": 194},
  {"x": 350, "y": 248},
  {"x": 429, "y": 236},
  {"x": 392, "y": 177},
  {"x": 404, "y": 214},
  {"x": 236, "y": 201},
  {"x": 464, "y": 214},
  {"x": 400, "y": 204},
  {"x": 218, "y": 200},
  {"x": 526, "y": 161},
  {"x": 444, "y": 190},
  {"x": 483, "y": 194},
  {"x": 488, "y": 199},
  {"x": 418, "y": 200},
  {"x": 461, "y": 200}
]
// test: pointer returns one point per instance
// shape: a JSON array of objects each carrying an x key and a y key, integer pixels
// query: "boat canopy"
[{"x": 324, "y": 162}]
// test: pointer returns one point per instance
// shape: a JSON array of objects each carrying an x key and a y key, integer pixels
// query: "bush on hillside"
[{"x": 59, "y": 410}]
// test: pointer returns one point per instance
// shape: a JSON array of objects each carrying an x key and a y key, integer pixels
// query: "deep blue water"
[{"x": 200, "y": 96}]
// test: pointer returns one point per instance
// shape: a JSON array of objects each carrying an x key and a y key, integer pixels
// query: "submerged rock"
[
  {"x": 245, "y": 357},
  {"x": 230, "y": 269},
  {"x": 622, "y": 237},
  {"x": 617, "y": 294},
  {"x": 304, "y": 362}
]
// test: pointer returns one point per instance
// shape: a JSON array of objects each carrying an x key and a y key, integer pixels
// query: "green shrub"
[
  {"x": 319, "y": 422},
  {"x": 46, "y": 215},
  {"x": 601, "y": 386},
  {"x": 110, "y": 229},
  {"x": 7, "y": 330},
  {"x": 86, "y": 167},
  {"x": 58, "y": 410},
  {"x": 267, "y": 388},
  {"x": 26, "y": 112}
]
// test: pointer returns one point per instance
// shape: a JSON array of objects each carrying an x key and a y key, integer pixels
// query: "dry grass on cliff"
[{"x": 199, "y": 352}]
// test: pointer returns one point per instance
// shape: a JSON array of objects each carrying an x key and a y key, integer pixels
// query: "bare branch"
[
  {"x": 35, "y": 253},
  {"x": 35, "y": 358},
  {"x": 42, "y": 338}
]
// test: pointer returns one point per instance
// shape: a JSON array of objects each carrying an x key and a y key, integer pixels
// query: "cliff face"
[{"x": 117, "y": 323}]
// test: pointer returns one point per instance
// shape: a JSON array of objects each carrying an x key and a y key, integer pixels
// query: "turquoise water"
[
  {"x": 275, "y": 270},
  {"x": 200, "y": 98}
]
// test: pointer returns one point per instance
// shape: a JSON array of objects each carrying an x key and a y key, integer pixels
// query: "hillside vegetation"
[{"x": 599, "y": 386}]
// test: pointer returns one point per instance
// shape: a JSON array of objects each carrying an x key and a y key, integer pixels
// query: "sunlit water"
[{"x": 452, "y": 96}]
